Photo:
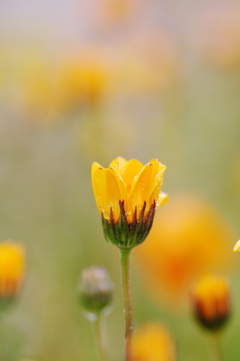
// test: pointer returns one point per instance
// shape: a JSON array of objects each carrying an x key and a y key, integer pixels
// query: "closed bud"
[
  {"x": 95, "y": 291},
  {"x": 211, "y": 302}
]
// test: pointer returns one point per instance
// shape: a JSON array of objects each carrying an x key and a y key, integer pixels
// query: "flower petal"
[
  {"x": 95, "y": 166},
  {"x": 132, "y": 168},
  {"x": 140, "y": 188},
  {"x": 147, "y": 185},
  {"x": 156, "y": 184},
  {"x": 162, "y": 199},
  {"x": 237, "y": 247},
  {"x": 156, "y": 180},
  {"x": 121, "y": 185},
  {"x": 106, "y": 191},
  {"x": 119, "y": 164}
]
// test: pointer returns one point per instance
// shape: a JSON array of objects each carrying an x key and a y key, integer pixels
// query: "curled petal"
[
  {"x": 119, "y": 164},
  {"x": 106, "y": 191},
  {"x": 162, "y": 199},
  {"x": 147, "y": 185},
  {"x": 121, "y": 186},
  {"x": 237, "y": 247},
  {"x": 156, "y": 180},
  {"x": 140, "y": 188}
]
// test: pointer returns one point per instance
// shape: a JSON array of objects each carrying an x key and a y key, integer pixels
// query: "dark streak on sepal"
[{"x": 128, "y": 235}]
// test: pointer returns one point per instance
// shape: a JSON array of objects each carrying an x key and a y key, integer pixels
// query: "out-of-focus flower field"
[{"x": 85, "y": 81}]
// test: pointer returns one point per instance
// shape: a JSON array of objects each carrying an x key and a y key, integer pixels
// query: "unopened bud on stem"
[{"x": 95, "y": 291}]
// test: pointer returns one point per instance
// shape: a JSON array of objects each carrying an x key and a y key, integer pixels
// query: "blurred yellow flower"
[
  {"x": 188, "y": 238},
  {"x": 51, "y": 89},
  {"x": 82, "y": 81},
  {"x": 210, "y": 298},
  {"x": 152, "y": 342},
  {"x": 127, "y": 194},
  {"x": 12, "y": 264}
]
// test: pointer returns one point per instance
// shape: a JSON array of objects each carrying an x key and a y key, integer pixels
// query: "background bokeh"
[{"x": 84, "y": 81}]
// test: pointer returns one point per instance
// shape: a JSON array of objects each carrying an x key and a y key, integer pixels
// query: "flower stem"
[
  {"x": 216, "y": 347},
  {"x": 125, "y": 271},
  {"x": 101, "y": 339},
  {"x": 2, "y": 340}
]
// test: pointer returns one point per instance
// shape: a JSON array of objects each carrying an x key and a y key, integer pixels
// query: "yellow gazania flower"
[
  {"x": 153, "y": 342},
  {"x": 211, "y": 301},
  {"x": 127, "y": 194},
  {"x": 130, "y": 182},
  {"x": 12, "y": 263}
]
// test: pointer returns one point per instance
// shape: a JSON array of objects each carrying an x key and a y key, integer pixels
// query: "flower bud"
[
  {"x": 211, "y": 302},
  {"x": 95, "y": 290},
  {"x": 12, "y": 263}
]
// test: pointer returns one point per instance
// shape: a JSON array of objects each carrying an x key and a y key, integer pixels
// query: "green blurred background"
[{"x": 84, "y": 81}]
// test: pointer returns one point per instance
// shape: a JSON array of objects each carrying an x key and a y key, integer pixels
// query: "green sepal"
[{"x": 126, "y": 235}]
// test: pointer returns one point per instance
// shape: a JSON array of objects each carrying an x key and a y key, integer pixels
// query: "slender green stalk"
[
  {"x": 101, "y": 337},
  {"x": 216, "y": 347},
  {"x": 125, "y": 271},
  {"x": 2, "y": 340}
]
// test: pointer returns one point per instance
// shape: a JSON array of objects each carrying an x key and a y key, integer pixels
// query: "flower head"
[
  {"x": 153, "y": 342},
  {"x": 211, "y": 301},
  {"x": 12, "y": 264},
  {"x": 95, "y": 290},
  {"x": 82, "y": 81},
  {"x": 127, "y": 194}
]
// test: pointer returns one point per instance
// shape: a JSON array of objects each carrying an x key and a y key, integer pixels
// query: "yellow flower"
[
  {"x": 211, "y": 301},
  {"x": 153, "y": 342},
  {"x": 127, "y": 194},
  {"x": 83, "y": 81},
  {"x": 12, "y": 264}
]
